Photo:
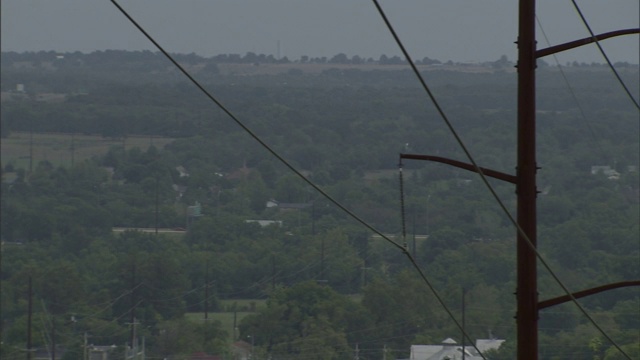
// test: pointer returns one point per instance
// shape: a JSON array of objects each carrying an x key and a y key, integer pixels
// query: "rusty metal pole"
[{"x": 526, "y": 292}]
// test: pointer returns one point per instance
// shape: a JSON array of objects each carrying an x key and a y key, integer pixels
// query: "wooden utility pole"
[
  {"x": 29, "y": 317},
  {"x": 206, "y": 291},
  {"x": 235, "y": 321},
  {"x": 156, "y": 212},
  {"x": 363, "y": 281},
  {"x": 414, "y": 236},
  {"x": 53, "y": 338},
  {"x": 132, "y": 312},
  {"x": 464, "y": 354},
  {"x": 322, "y": 260},
  {"x": 273, "y": 271},
  {"x": 85, "y": 348},
  {"x": 73, "y": 148},
  {"x": 206, "y": 303},
  {"x": 31, "y": 149}
]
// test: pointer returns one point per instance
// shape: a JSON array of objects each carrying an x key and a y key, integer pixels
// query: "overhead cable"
[
  {"x": 249, "y": 131},
  {"x": 573, "y": 94},
  {"x": 595, "y": 40},
  {"x": 487, "y": 184},
  {"x": 292, "y": 168}
]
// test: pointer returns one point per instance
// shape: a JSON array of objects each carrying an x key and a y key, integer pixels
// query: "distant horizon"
[
  {"x": 297, "y": 59},
  {"x": 456, "y": 30}
]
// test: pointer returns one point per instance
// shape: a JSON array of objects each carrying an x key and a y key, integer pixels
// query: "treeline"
[
  {"x": 57, "y": 223},
  {"x": 148, "y": 57},
  {"x": 97, "y": 58},
  {"x": 328, "y": 282}
]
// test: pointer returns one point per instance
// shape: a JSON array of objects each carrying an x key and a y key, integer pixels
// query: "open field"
[
  {"x": 244, "y": 307},
  {"x": 243, "y": 304},
  {"x": 225, "y": 319},
  {"x": 56, "y": 148}
]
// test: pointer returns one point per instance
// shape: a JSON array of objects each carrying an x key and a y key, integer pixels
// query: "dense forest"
[{"x": 328, "y": 285}]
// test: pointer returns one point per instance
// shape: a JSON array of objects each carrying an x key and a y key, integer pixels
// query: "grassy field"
[
  {"x": 225, "y": 319},
  {"x": 56, "y": 148},
  {"x": 244, "y": 306}
]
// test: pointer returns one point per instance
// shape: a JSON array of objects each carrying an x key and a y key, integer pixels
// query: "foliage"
[
  {"x": 344, "y": 128},
  {"x": 306, "y": 320}
]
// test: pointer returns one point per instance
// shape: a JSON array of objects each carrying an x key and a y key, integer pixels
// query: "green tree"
[{"x": 305, "y": 319}]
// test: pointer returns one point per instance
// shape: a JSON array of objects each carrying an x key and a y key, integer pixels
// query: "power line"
[
  {"x": 595, "y": 40},
  {"x": 335, "y": 202},
  {"x": 477, "y": 169},
  {"x": 573, "y": 94},
  {"x": 291, "y": 167},
  {"x": 249, "y": 131},
  {"x": 94, "y": 314}
]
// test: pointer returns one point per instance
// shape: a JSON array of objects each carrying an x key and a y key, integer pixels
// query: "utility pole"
[
  {"x": 206, "y": 291},
  {"x": 526, "y": 191},
  {"x": 85, "y": 348},
  {"x": 313, "y": 218},
  {"x": 414, "y": 235},
  {"x": 464, "y": 291},
  {"x": 73, "y": 147},
  {"x": 53, "y": 338},
  {"x": 528, "y": 306},
  {"x": 132, "y": 312},
  {"x": 364, "y": 273},
  {"x": 134, "y": 340},
  {"x": 273, "y": 271},
  {"x": 31, "y": 148},
  {"x": 426, "y": 212},
  {"x": 235, "y": 321},
  {"x": 156, "y": 217},
  {"x": 29, "y": 316},
  {"x": 52, "y": 321},
  {"x": 206, "y": 303},
  {"x": 252, "y": 346},
  {"x": 322, "y": 259}
]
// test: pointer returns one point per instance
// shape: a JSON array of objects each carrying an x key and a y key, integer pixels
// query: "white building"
[{"x": 450, "y": 350}]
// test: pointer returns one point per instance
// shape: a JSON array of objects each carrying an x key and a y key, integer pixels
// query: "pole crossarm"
[
  {"x": 562, "y": 299},
  {"x": 577, "y": 43},
  {"x": 459, "y": 164}
]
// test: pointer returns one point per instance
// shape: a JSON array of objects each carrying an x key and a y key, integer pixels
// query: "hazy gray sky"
[{"x": 458, "y": 30}]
